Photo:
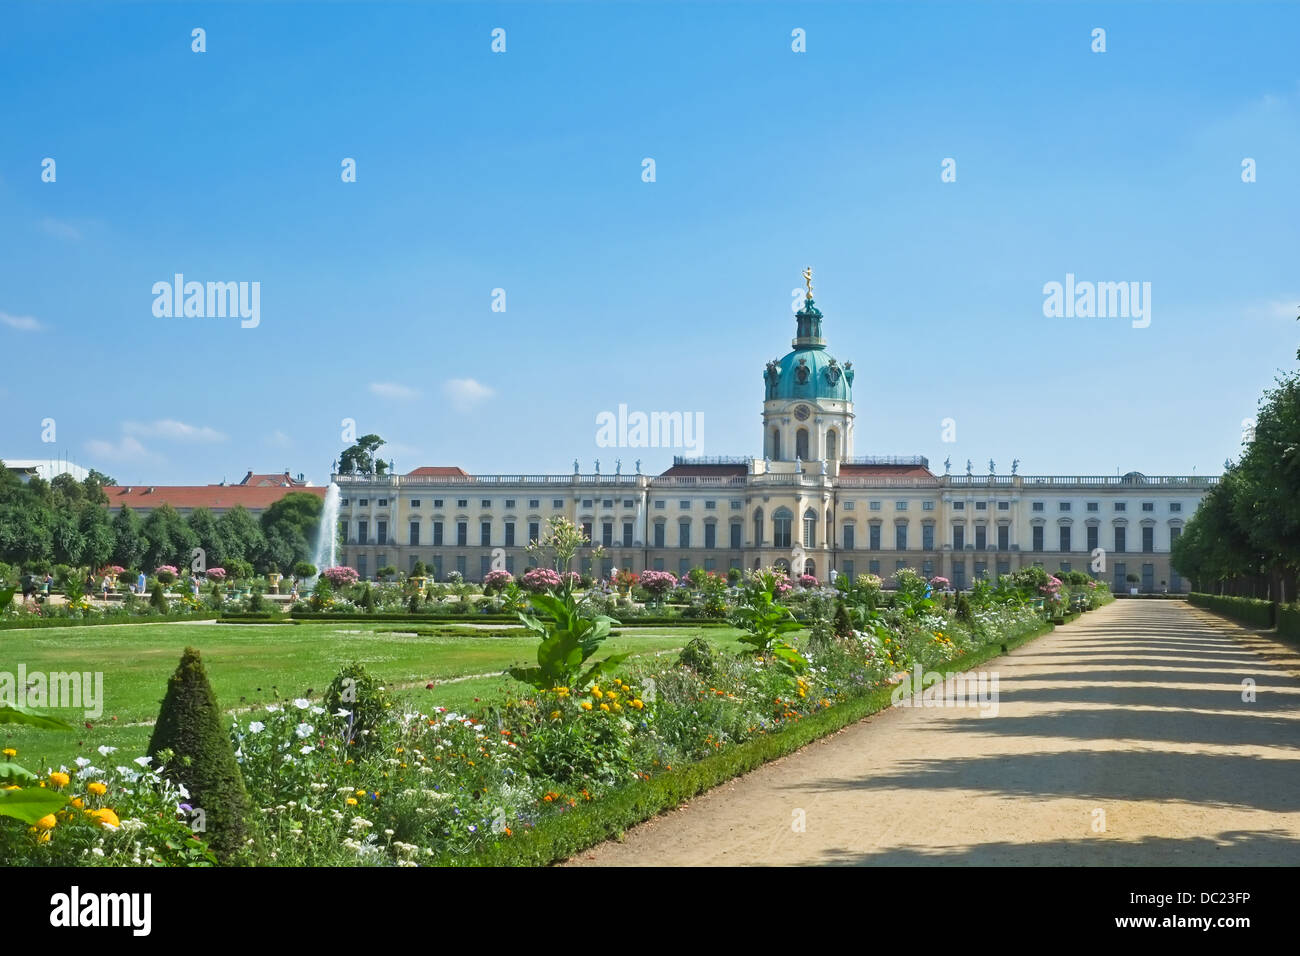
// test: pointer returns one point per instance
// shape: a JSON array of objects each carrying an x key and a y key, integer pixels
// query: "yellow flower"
[
  {"x": 59, "y": 778},
  {"x": 361, "y": 793},
  {"x": 605, "y": 707},
  {"x": 106, "y": 818},
  {"x": 10, "y": 752},
  {"x": 97, "y": 788},
  {"x": 597, "y": 693},
  {"x": 555, "y": 715},
  {"x": 586, "y": 705},
  {"x": 46, "y": 822},
  {"x": 352, "y": 801},
  {"x": 562, "y": 691},
  {"x": 618, "y": 707},
  {"x": 613, "y": 696},
  {"x": 77, "y": 802},
  {"x": 638, "y": 704},
  {"x": 12, "y": 786}
]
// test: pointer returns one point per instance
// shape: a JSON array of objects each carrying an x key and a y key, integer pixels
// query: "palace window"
[{"x": 781, "y": 528}]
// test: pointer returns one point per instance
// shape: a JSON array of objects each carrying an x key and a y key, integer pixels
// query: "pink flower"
[
  {"x": 538, "y": 580},
  {"x": 341, "y": 576}
]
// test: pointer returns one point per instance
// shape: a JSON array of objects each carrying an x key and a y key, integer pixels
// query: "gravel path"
[{"x": 1121, "y": 739}]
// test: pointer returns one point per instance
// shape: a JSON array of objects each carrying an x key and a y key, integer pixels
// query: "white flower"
[
  {"x": 82, "y": 762},
  {"x": 96, "y": 851},
  {"x": 105, "y": 750},
  {"x": 302, "y": 703},
  {"x": 304, "y": 731},
  {"x": 306, "y": 749},
  {"x": 272, "y": 708},
  {"x": 318, "y": 710},
  {"x": 342, "y": 713},
  {"x": 143, "y": 761},
  {"x": 256, "y": 727}
]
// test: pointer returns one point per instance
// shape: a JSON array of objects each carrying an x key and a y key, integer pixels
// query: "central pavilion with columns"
[{"x": 807, "y": 504}]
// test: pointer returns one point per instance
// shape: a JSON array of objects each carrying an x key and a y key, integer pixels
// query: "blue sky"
[{"x": 522, "y": 171}]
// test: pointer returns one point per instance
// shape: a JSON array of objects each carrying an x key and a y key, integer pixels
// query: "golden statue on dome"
[{"x": 807, "y": 281}]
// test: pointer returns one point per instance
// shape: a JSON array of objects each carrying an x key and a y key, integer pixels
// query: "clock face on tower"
[{"x": 802, "y": 412}]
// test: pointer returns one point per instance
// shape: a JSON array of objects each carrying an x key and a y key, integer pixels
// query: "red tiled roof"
[
  {"x": 885, "y": 471},
  {"x": 440, "y": 471},
  {"x": 272, "y": 480},
  {"x": 188, "y": 497},
  {"x": 696, "y": 471}
]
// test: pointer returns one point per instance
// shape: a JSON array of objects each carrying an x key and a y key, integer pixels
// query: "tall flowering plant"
[
  {"x": 341, "y": 576},
  {"x": 658, "y": 583},
  {"x": 495, "y": 581}
]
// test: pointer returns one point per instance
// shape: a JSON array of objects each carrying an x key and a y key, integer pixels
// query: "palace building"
[{"x": 806, "y": 503}]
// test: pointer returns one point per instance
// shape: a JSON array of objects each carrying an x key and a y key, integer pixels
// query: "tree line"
[
  {"x": 64, "y": 521},
  {"x": 1245, "y": 537}
]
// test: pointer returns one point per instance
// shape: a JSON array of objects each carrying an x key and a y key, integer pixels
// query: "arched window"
[
  {"x": 832, "y": 445},
  {"x": 781, "y": 521},
  {"x": 810, "y": 529},
  {"x": 776, "y": 444},
  {"x": 758, "y": 527},
  {"x": 810, "y": 567},
  {"x": 801, "y": 443}
]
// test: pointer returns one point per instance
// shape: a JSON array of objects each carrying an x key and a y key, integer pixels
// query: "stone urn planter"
[{"x": 275, "y": 582}]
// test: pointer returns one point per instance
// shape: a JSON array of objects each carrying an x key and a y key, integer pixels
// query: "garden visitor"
[
  {"x": 104, "y": 587},
  {"x": 139, "y": 584},
  {"x": 45, "y": 588}
]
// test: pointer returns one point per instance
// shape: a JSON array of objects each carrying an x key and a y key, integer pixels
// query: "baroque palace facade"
[{"x": 807, "y": 504}]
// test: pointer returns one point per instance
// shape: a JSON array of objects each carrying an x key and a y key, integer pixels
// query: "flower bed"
[{"x": 557, "y": 764}]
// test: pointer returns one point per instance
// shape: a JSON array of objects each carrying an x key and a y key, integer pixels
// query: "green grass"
[{"x": 253, "y": 665}]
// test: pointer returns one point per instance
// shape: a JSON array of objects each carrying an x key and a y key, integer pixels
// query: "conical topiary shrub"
[{"x": 192, "y": 728}]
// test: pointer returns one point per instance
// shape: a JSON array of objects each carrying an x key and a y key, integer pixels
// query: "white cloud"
[
  {"x": 465, "y": 393},
  {"x": 60, "y": 229},
  {"x": 128, "y": 449},
  {"x": 169, "y": 428},
  {"x": 403, "y": 393},
  {"x": 23, "y": 323},
  {"x": 1282, "y": 307},
  {"x": 279, "y": 439}
]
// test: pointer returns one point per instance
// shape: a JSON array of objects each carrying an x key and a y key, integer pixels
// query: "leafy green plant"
[
  {"x": 568, "y": 641},
  {"x": 27, "y": 803},
  {"x": 764, "y": 621}
]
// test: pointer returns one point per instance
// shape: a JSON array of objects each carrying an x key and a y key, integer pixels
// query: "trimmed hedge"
[
  {"x": 1251, "y": 611},
  {"x": 1288, "y": 621},
  {"x": 406, "y": 618},
  {"x": 38, "y": 622},
  {"x": 559, "y": 837}
]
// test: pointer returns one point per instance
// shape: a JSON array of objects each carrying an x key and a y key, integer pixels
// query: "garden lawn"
[{"x": 251, "y": 665}]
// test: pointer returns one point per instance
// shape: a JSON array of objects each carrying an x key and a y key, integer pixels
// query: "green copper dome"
[{"x": 809, "y": 372}]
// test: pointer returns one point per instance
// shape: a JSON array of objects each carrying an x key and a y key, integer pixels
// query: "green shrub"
[
  {"x": 362, "y": 695},
  {"x": 190, "y": 746},
  {"x": 1251, "y": 611},
  {"x": 1288, "y": 621},
  {"x": 158, "y": 599},
  {"x": 698, "y": 656}
]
